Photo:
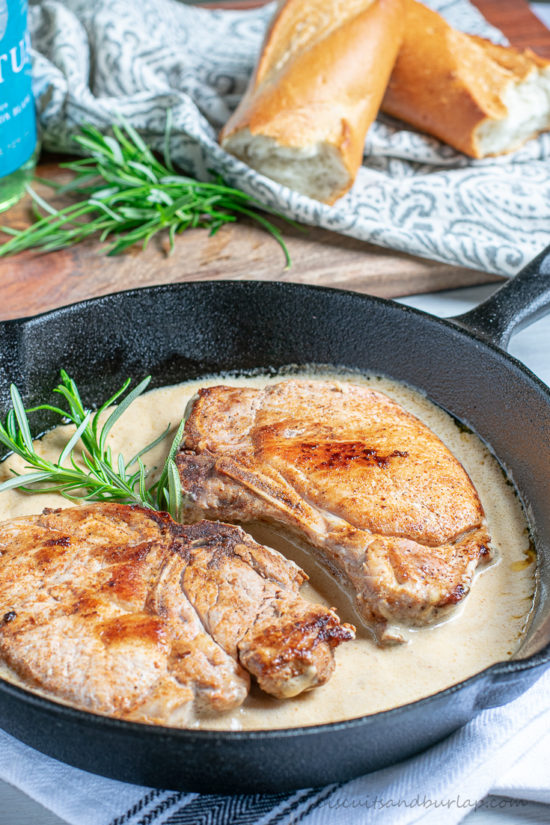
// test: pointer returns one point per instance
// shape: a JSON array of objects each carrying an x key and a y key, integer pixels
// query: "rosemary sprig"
[
  {"x": 86, "y": 468},
  {"x": 127, "y": 194}
]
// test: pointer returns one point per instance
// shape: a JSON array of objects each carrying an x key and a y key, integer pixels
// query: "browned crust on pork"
[
  {"x": 117, "y": 609},
  {"x": 386, "y": 506}
]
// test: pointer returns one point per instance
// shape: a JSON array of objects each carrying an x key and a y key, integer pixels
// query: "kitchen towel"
[
  {"x": 96, "y": 60},
  {"x": 503, "y": 751}
]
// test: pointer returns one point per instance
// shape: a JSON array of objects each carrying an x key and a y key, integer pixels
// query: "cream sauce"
[{"x": 486, "y": 628}]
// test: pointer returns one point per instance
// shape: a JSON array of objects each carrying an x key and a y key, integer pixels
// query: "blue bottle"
[{"x": 17, "y": 113}]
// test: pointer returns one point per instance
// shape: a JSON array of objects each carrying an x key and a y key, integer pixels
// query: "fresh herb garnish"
[
  {"x": 86, "y": 468},
  {"x": 128, "y": 195}
]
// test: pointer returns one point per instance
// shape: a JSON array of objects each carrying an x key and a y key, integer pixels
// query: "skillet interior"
[{"x": 184, "y": 331}]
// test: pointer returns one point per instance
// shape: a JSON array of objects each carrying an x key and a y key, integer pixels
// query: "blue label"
[{"x": 17, "y": 117}]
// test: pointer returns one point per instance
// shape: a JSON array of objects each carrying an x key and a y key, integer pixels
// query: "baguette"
[
  {"x": 317, "y": 87},
  {"x": 481, "y": 98}
]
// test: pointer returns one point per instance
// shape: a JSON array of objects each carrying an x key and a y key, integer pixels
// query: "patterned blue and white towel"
[{"x": 95, "y": 60}]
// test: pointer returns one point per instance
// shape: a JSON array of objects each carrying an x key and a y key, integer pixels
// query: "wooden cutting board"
[{"x": 31, "y": 282}]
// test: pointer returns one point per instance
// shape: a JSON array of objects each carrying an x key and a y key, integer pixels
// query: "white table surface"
[{"x": 532, "y": 346}]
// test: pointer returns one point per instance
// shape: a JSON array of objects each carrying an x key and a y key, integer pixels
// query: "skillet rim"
[{"x": 499, "y": 669}]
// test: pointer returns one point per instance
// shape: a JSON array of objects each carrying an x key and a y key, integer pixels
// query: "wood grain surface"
[
  {"x": 519, "y": 24},
  {"x": 34, "y": 282}
]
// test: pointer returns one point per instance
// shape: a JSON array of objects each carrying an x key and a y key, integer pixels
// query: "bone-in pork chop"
[
  {"x": 390, "y": 510},
  {"x": 119, "y": 610}
]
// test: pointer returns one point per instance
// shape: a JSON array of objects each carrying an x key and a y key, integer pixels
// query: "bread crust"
[
  {"x": 321, "y": 76},
  {"x": 449, "y": 83}
]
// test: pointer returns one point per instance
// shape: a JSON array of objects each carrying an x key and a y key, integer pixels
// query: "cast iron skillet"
[{"x": 188, "y": 330}]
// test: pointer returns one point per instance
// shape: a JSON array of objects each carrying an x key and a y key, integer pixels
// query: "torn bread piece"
[
  {"x": 480, "y": 98},
  {"x": 316, "y": 89}
]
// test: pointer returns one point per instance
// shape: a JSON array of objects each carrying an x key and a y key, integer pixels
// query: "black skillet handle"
[{"x": 518, "y": 303}]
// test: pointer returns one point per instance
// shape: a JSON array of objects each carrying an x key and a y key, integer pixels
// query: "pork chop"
[
  {"x": 119, "y": 610},
  {"x": 390, "y": 510}
]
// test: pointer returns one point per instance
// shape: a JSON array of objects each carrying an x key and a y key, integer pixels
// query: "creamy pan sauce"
[{"x": 486, "y": 628}]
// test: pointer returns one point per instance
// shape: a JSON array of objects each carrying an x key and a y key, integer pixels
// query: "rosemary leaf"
[
  {"x": 143, "y": 492},
  {"x": 175, "y": 498},
  {"x": 21, "y": 417},
  {"x": 109, "y": 403},
  {"x": 72, "y": 442},
  {"x": 129, "y": 195},
  {"x": 85, "y": 469},
  {"x": 160, "y": 488},
  {"x": 20, "y": 480},
  {"x": 147, "y": 448},
  {"x": 120, "y": 409}
]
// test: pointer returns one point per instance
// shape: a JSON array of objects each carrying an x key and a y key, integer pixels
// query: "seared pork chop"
[
  {"x": 392, "y": 513},
  {"x": 118, "y": 609}
]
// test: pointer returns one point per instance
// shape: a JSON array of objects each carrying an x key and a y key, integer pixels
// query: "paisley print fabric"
[{"x": 96, "y": 60}]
